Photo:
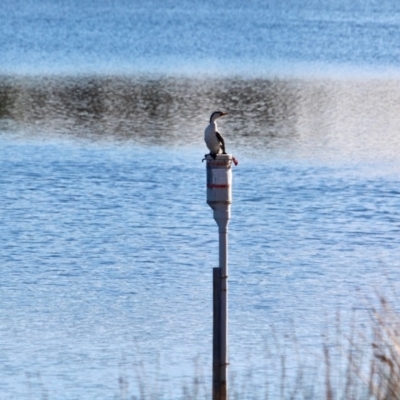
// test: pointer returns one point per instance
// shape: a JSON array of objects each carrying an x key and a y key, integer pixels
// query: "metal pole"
[
  {"x": 219, "y": 198},
  {"x": 216, "y": 334}
]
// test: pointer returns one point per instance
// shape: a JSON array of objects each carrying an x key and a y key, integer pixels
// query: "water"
[
  {"x": 107, "y": 242},
  {"x": 196, "y": 37}
]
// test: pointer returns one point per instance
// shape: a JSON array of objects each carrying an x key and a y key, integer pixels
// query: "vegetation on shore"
[
  {"x": 366, "y": 366},
  {"x": 360, "y": 363}
]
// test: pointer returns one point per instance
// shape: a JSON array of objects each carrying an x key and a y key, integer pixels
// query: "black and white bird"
[{"x": 214, "y": 141}]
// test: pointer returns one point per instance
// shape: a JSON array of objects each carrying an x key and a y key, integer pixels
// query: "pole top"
[{"x": 220, "y": 159}]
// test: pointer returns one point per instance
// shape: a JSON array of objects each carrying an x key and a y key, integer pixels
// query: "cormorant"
[{"x": 214, "y": 141}]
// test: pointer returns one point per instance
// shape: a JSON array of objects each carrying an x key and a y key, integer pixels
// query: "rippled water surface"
[
  {"x": 107, "y": 243},
  {"x": 195, "y": 37}
]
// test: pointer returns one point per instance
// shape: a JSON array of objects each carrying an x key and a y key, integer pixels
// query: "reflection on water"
[
  {"x": 159, "y": 110},
  {"x": 354, "y": 118}
]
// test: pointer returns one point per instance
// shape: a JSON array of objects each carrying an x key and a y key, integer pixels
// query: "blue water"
[
  {"x": 107, "y": 243},
  {"x": 199, "y": 37}
]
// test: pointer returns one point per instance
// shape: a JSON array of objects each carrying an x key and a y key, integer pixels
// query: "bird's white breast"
[{"x": 211, "y": 139}]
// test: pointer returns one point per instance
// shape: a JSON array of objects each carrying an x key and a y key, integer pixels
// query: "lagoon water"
[{"x": 107, "y": 244}]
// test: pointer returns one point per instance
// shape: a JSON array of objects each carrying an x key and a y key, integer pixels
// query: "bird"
[{"x": 214, "y": 141}]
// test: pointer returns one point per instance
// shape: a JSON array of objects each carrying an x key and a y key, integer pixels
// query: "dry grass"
[
  {"x": 361, "y": 364},
  {"x": 383, "y": 374}
]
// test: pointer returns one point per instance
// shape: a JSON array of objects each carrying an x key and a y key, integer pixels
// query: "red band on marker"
[{"x": 215, "y": 186}]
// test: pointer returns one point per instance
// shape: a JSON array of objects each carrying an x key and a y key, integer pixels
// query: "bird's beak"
[{"x": 224, "y": 114}]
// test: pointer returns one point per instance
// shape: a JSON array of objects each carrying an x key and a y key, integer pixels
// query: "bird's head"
[{"x": 215, "y": 115}]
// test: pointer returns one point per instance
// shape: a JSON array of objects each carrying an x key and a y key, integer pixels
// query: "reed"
[
  {"x": 363, "y": 363},
  {"x": 359, "y": 363},
  {"x": 383, "y": 374}
]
